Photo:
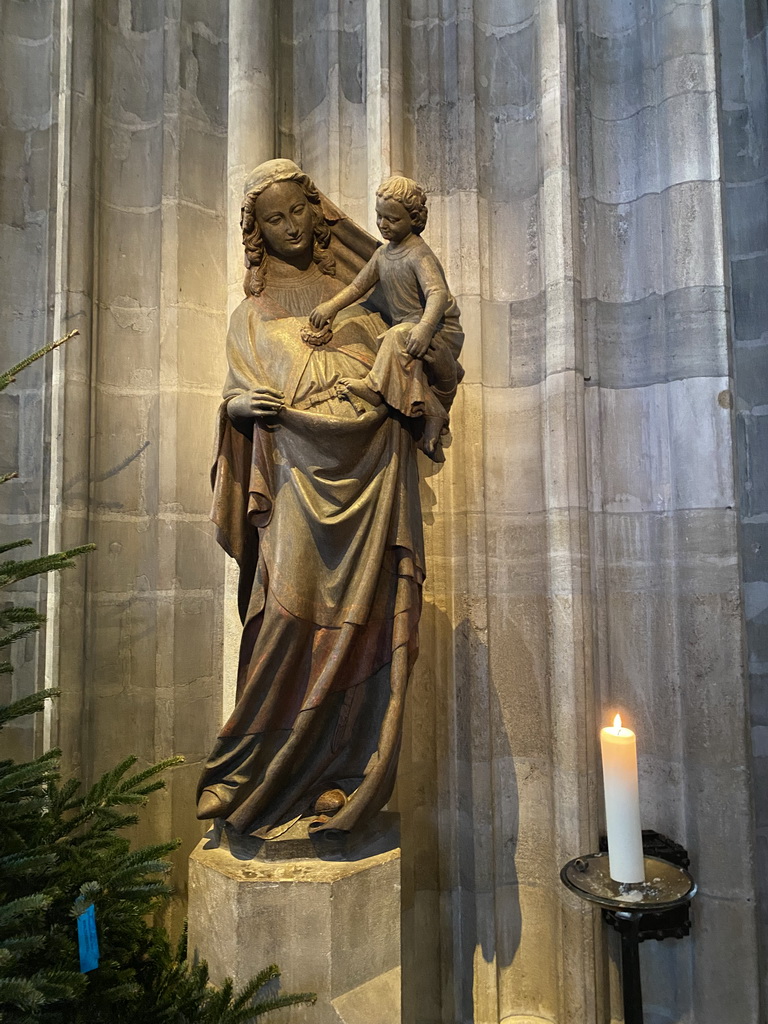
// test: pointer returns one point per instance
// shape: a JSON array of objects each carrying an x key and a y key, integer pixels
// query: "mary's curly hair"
[
  {"x": 255, "y": 253},
  {"x": 409, "y": 194}
]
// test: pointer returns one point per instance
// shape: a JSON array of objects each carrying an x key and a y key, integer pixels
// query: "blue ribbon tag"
[{"x": 87, "y": 940}]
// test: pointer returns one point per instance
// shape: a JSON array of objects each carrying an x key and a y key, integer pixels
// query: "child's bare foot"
[
  {"x": 430, "y": 439},
  {"x": 359, "y": 388}
]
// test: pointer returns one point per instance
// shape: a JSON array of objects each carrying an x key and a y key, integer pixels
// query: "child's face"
[{"x": 393, "y": 220}]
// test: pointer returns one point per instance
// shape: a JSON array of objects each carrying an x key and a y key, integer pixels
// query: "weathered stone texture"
[
  {"x": 744, "y": 77},
  {"x": 331, "y": 922},
  {"x": 661, "y": 475},
  {"x": 27, "y": 219}
]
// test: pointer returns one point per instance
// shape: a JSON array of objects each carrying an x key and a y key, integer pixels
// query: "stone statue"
[
  {"x": 419, "y": 303},
  {"x": 316, "y": 495}
]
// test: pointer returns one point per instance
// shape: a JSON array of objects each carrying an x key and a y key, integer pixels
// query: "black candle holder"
[
  {"x": 654, "y": 909},
  {"x": 668, "y": 924}
]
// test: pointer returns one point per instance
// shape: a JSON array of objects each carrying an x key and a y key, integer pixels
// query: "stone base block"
[{"x": 326, "y": 912}]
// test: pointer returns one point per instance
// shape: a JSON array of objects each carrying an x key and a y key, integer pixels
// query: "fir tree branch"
[
  {"x": 256, "y": 983},
  {"x": 35, "y": 772},
  {"x": 146, "y": 860},
  {"x": 14, "y": 945},
  {"x": 19, "y": 634},
  {"x": 10, "y": 375},
  {"x": 13, "y": 571},
  {"x": 25, "y": 542},
  {"x": 21, "y": 614},
  {"x": 22, "y": 906},
  {"x": 289, "y": 999},
  {"x": 56, "y": 983},
  {"x": 19, "y": 992},
  {"x": 26, "y": 705},
  {"x": 26, "y": 861}
]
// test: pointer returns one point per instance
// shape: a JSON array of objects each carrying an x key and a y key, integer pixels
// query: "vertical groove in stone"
[
  {"x": 441, "y": 768},
  {"x": 383, "y": 96},
  {"x": 62, "y": 184},
  {"x": 284, "y": 79},
  {"x": 170, "y": 613},
  {"x": 71, "y": 398}
]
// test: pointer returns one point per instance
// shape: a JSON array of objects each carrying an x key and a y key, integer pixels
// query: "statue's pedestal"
[{"x": 326, "y": 911}]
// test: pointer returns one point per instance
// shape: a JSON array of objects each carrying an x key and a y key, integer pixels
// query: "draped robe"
[{"x": 320, "y": 508}]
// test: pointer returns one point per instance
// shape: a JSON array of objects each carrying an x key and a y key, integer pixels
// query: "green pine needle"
[
  {"x": 19, "y": 992},
  {"x": 29, "y": 863},
  {"x": 22, "y": 907},
  {"x": 256, "y": 984},
  {"x": 12, "y": 571},
  {"x": 10, "y": 375},
  {"x": 35, "y": 773},
  {"x": 13, "y": 616},
  {"x": 289, "y": 999},
  {"x": 18, "y": 634},
  {"x": 12, "y": 545},
  {"x": 26, "y": 705}
]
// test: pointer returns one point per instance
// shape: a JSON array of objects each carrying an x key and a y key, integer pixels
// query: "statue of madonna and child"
[{"x": 343, "y": 361}]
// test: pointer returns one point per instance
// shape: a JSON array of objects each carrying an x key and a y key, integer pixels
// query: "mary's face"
[{"x": 285, "y": 218}]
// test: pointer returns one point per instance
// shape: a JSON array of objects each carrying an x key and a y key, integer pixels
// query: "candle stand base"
[
  {"x": 666, "y": 924},
  {"x": 667, "y": 888}
]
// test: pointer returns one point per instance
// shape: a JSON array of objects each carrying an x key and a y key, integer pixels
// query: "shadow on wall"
[
  {"x": 82, "y": 496},
  {"x": 458, "y": 800}
]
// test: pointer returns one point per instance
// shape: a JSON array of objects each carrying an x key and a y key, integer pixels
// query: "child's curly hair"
[{"x": 410, "y": 195}]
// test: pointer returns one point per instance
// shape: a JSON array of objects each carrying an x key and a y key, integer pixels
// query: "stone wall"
[
  {"x": 582, "y": 537},
  {"x": 28, "y": 119},
  {"x": 743, "y": 38},
  {"x": 664, "y": 530}
]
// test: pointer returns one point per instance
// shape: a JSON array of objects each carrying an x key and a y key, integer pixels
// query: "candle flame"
[{"x": 617, "y": 723}]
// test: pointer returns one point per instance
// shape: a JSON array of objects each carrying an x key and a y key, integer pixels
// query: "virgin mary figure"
[{"x": 316, "y": 496}]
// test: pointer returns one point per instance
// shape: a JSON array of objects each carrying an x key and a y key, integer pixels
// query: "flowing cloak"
[{"x": 320, "y": 508}]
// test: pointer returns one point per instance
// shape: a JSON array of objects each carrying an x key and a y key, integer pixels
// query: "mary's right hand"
[{"x": 260, "y": 403}]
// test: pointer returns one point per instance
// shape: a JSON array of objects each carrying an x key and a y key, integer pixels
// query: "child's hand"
[
  {"x": 418, "y": 343},
  {"x": 321, "y": 315}
]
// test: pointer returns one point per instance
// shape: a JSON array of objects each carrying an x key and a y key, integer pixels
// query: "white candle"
[{"x": 622, "y": 804}]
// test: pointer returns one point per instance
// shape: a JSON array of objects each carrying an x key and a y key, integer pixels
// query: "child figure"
[{"x": 419, "y": 303}]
